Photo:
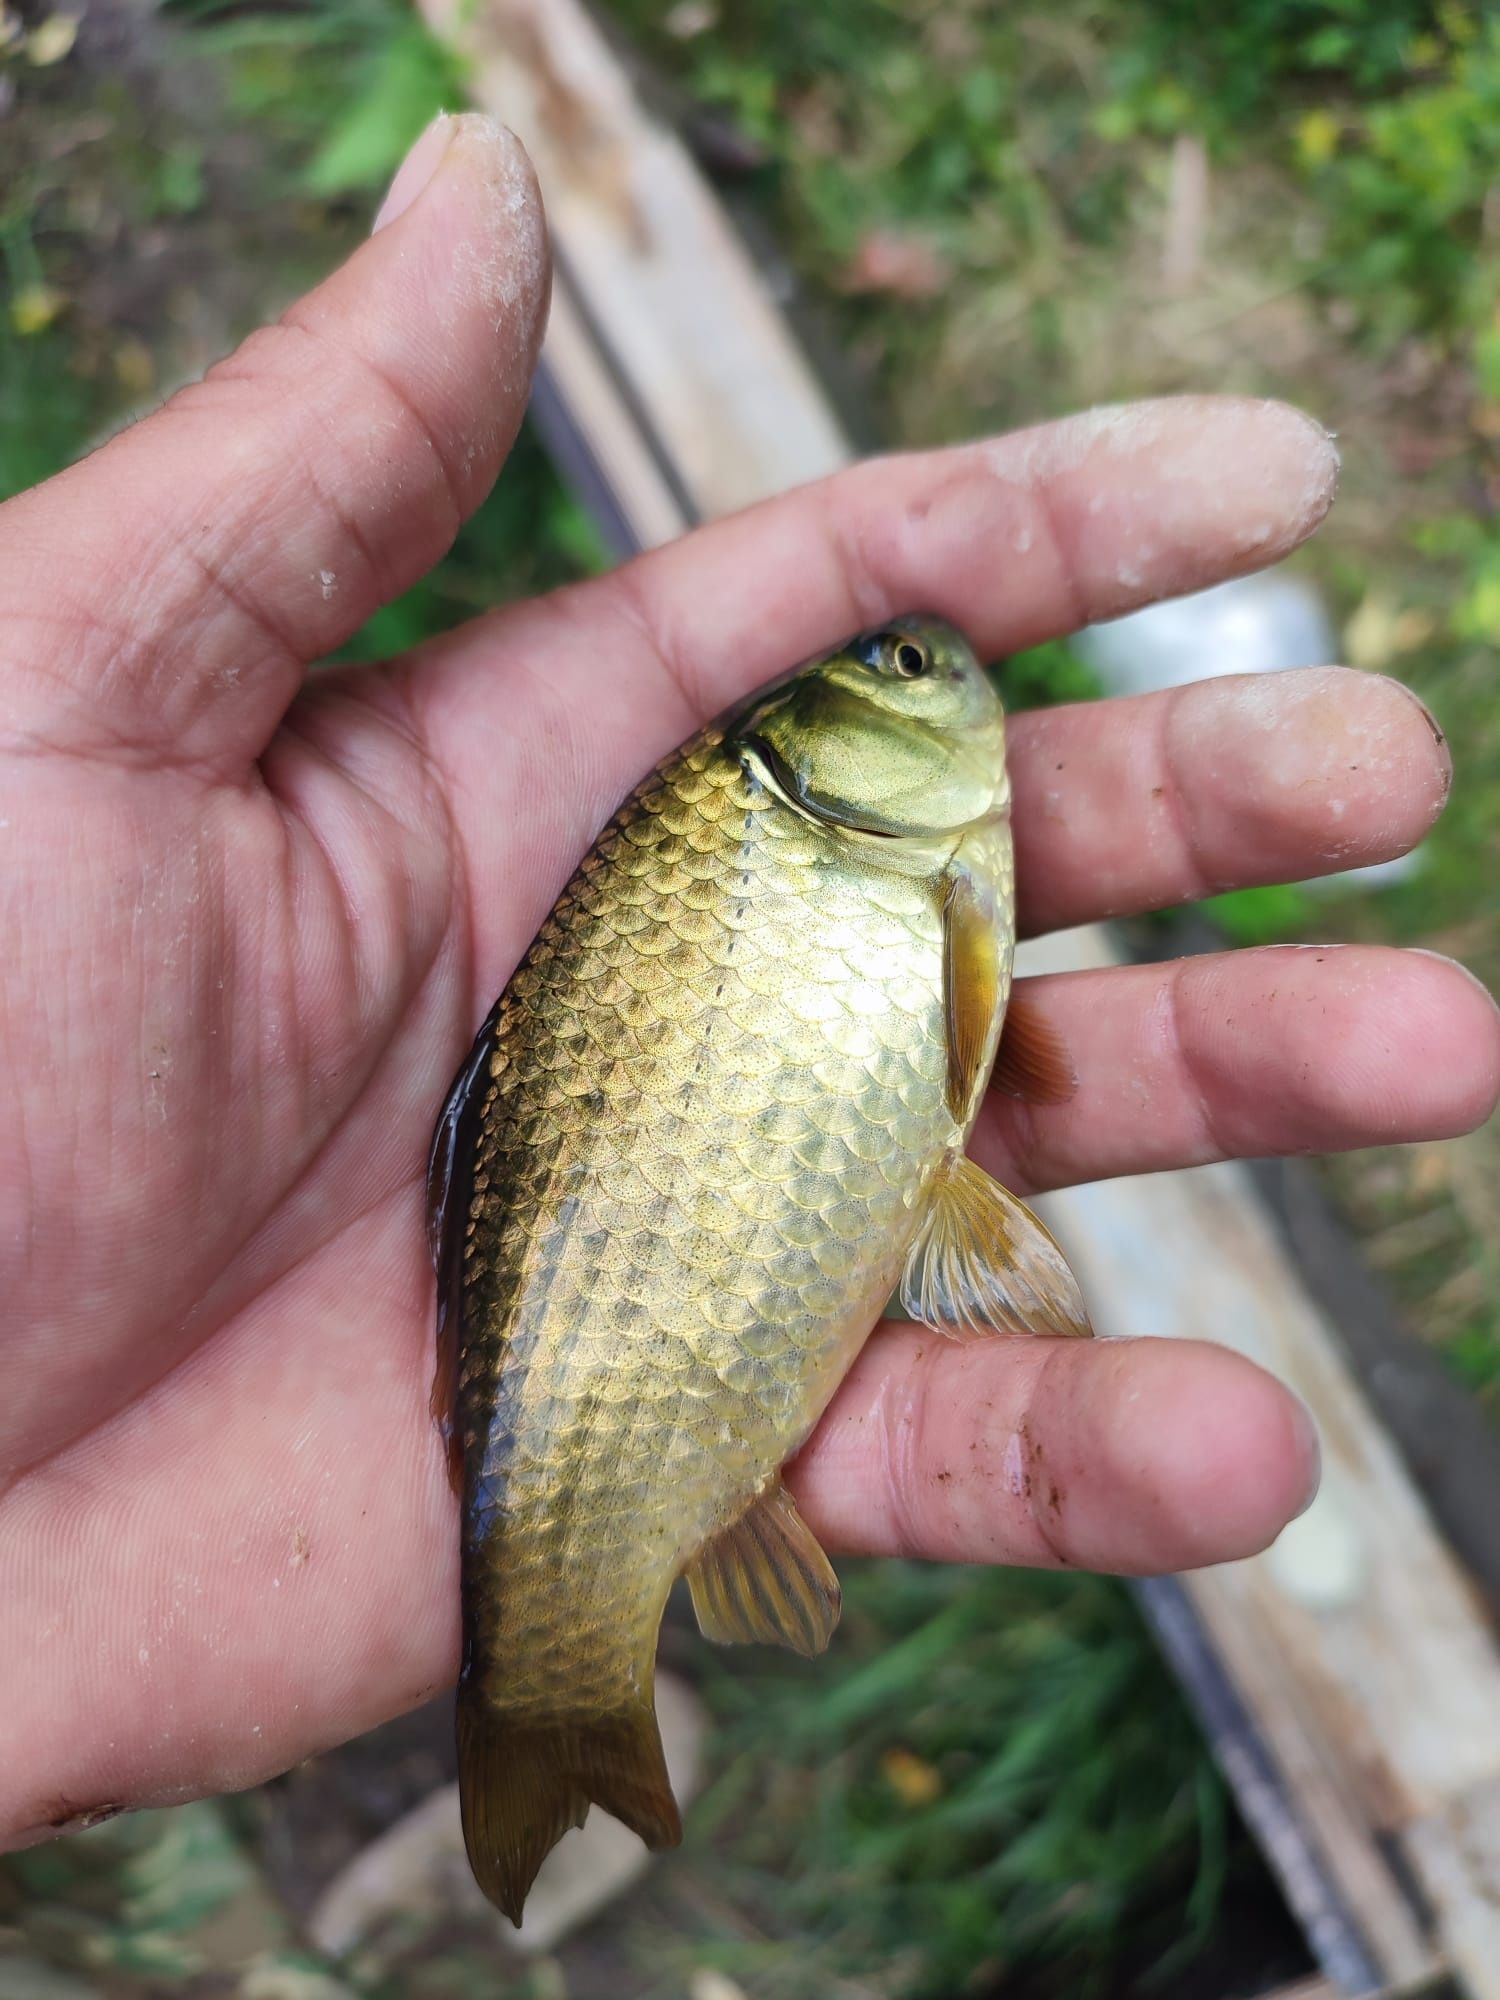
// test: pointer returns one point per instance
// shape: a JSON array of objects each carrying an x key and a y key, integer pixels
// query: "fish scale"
[{"x": 661, "y": 1150}]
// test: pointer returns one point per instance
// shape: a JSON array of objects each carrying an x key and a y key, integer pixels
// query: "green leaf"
[
  {"x": 193, "y": 1869},
  {"x": 1045, "y": 674},
  {"x": 27, "y": 1978},
  {"x": 1487, "y": 363},
  {"x": 179, "y": 184},
  {"x": 1260, "y": 916},
  {"x": 290, "y": 1976},
  {"x": 406, "y": 85}
]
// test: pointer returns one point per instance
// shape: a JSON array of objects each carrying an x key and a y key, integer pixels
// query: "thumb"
[{"x": 166, "y": 595}]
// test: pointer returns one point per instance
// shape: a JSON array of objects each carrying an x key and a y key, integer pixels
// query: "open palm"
[{"x": 251, "y": 925}]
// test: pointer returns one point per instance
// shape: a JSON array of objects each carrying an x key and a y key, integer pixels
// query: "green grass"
[{"x": 988, "y": 1778}]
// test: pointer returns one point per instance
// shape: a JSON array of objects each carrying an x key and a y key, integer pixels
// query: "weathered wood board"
[{"x": 1359, "y": 1712}]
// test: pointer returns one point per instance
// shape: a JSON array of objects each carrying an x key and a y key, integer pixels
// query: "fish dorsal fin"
[
  {"x": 971, "y": 981},
  {"x": 1033, "y": 1060},
  {"x": 450, "y": 1173},
  {"x": 983, "y": 1263},
  {"x": 765, "y": 1578}
]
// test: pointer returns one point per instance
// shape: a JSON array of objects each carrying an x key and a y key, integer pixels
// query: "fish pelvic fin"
[
  {"x": 524, "y": 1780},
  {"x": 766, "y": 1578},
  {"x": 983, "y": 1263}
]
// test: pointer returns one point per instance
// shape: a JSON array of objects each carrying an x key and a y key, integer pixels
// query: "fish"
[{"x": 713, "y": 1124}]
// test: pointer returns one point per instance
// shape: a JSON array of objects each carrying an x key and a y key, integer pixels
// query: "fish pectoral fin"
[
  {"x": 525, "y": 1779},
  {"x": 1032, "y": 1061},
  {"x": 983, "y": 1263},
  {"x": 971, "y": 981},
  {"x": 766, "y": 1579}
]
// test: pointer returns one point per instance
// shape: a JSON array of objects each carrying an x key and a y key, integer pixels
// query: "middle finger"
[
  {"x": 1137, "y": 803},
  {"x": 1295, "y": 1049}
]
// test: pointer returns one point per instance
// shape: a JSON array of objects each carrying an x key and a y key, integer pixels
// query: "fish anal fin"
[
  {"x": 525, "y": 1779},
  {"x": 766, "y": 1579},
  {"x": 1033, "y": 1060},
  {"x": 450, "y": 1186},
  {"x": 983, "y": 1263},
  {"x": 971, "y": 982}
]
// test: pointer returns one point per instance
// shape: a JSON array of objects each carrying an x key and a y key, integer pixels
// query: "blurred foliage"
[
  {"x": 409, "y": 81},
  {"x": 987, "y": 1780},
  {"x": 1047, "y": 673},
  {"x": 1405, "y": 186},
  {"x": 372, "y": 60},
  {"x": 1219, "y": 71},
  {"x": 148, "y": 1903},
  {"x": 1006, "y": 130}
]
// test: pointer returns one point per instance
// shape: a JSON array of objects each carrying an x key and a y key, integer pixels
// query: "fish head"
[{"x": 898, "y": 732}]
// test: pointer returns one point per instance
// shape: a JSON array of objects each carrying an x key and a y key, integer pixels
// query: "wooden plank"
[
  {"x": 1443, "y": 1434},
  {"x": 644, "y": 498},
  {"x": 1305, "y": 1989},
  {"x": 1456, "y": 1854},
  {"x": 1356, "y": 1642},
  {"x": 693, "y": 332},
  {"x": 1271, "y": 1804},
  {"x": 1356, "y": 1645},
  {"x": 1318, "y": 1988}
]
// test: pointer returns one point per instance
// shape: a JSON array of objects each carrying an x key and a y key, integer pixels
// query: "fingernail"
[
  {"x": 1444, "y": 748},
  {"x": 1324, "y": 464},
  {"x": 1453, "y": 965},
  {"x": 415, "y": 171},
  {"x": 1311, "y": 1449}
]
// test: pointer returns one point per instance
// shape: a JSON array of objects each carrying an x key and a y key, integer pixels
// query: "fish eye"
[{"x": 893, "y": 651}]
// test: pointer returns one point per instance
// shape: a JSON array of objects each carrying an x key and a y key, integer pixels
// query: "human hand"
[{"x": 252, "y": 922}]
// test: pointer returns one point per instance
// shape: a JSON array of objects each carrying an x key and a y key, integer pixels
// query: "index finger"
[{"x": 1015, "y": 539}]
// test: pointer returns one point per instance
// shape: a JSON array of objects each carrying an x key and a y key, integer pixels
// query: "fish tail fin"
[{"x": 524, "y": 1781}]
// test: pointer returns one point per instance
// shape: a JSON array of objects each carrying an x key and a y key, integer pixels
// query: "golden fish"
[{"x": 714, "y": 1121}]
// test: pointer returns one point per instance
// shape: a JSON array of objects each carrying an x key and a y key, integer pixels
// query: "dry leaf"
[
  {"x": 898, "y": 262},
  {"x": 34, "y": 308},
  {"x": 1378, "y": 631},
  {"x": 705, "y": 1983},
  {"x": 689, "y": 18},
  {"x": 135, "y": 369},
  {"x": 53, "y": 40},
  {"x": 1431, "y": 1172},
  {"x": 914, "y": 1781}
]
